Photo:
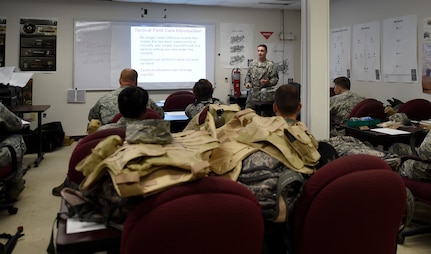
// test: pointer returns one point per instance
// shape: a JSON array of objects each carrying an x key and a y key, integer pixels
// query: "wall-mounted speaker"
[{"x": 75, "y": 96}]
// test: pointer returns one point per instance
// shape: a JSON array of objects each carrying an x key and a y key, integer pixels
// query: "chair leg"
[
  {"x": 422, "y": 227},
  {"x": 10, "y": 208}
]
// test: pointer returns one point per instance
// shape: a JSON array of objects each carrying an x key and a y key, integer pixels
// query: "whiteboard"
[{"x": 103, "y": 48}]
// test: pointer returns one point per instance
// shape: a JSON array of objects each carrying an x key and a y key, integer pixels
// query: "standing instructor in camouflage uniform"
[{"x": 261, "y": 74}]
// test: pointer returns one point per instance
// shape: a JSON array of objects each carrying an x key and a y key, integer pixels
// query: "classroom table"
[
  {"x": 178, "y": 119},
  {"x": 39, "y": 109},
  {"x": 376, "y": 138},
  {"x": 263, "y": 108},
  {"x": 238, "y": 99}
]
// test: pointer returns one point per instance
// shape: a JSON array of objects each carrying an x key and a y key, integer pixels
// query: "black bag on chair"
[{"x": 52, "y": 137}]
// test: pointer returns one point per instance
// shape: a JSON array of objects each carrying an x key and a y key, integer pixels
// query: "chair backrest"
[
  {"x": 369, "y": 107},
  {"x": 83, "y": 148},
  {"x": 150, "y": 114},
  {"x": 353, "y": 204},
  {"x": 416, "y": 109},
  {"x": 421, "y": 190},
  {"x": 116, "y": 117},
  {"x": 212, "y": 215},
  {"x": 178, "y": 101}
]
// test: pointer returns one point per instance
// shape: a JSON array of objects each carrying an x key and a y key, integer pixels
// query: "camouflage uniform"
[
  {"x": 415, "y": 169},
  {"x": 121, "y": 123},
  {"x": 256, "y": 71},
  {"x": 194, "y": 108},
  {"x": 9, "y": 122},
  {"x": 340, "y": 107},
  {"x": 107, "y": 107},
  {"x": 347, "y": 145}
]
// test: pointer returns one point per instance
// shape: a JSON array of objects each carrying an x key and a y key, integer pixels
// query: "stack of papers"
[{"x": 9, "y": 76}]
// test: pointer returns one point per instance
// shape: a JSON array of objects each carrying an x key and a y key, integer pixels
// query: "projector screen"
[{"x": 167, "y": 56}]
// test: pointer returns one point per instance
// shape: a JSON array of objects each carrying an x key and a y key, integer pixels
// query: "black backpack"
[{"x": 52, "y": 137}]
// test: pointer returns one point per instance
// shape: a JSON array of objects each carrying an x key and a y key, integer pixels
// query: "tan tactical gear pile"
[{"x": 142, "y": 166}]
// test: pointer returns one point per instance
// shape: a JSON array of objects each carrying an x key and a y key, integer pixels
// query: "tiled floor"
[{"x": 38, "y": 208}]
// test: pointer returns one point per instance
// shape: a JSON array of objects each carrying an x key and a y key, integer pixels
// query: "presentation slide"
[{"x": 167, "y": 56}]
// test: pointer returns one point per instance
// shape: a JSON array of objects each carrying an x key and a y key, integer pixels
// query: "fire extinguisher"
[{"x": 236, "y": 81}]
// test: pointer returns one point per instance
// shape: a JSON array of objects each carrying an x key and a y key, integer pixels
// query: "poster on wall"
[
  {"x": 38, "y": 44},
  {"x": 426, "y": 56},
  {"x": 236, "y": 45},
  {"x": 340, "y": 53},
  {"x": 2, "y": 41},
  {"x": 282, "y": 56},
  {"x": 366, "y": 52},
  {"x": 400, "y": 49}
]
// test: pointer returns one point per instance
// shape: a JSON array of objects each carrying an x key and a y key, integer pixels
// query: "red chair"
[
  {"x": 354, "y": 204},
  {"x": 212, "y": 215},
  {"x": 422, "y": 193},
  {"x": 83, "y": 148},
  {"x": 369, "y": 107},
  {"x": 116, "y": 118},
  {"x": 150, "y": 114},
  {"x": 178, "y": 101},
  {"x": 416, "y": 109},
  {"x": 420, "y": 190}
]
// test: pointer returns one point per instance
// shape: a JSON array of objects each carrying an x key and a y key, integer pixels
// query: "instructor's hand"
[{"x": 264, "y": 81}]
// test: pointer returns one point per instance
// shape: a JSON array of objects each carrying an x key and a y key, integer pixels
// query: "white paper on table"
[
  {"x": 390, "y": 131},
  {"x": 74, "y": 225}
]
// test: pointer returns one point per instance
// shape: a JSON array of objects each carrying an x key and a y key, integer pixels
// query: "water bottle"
[{"x": 219, "y": 120}]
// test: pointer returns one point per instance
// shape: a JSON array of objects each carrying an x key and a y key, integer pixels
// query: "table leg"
[{"x": 40, "y": 150}]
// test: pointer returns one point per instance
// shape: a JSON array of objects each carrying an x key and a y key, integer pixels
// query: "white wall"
[
  {"x": 52, "y": 88},
  {"x": 352, "y": 12}
]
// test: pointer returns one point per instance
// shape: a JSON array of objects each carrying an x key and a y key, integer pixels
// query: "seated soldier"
[
  {"x": 203, "y": 90},
  {"x": 107, "y": 106},
  {"x": 132, "y": 103},
  {"x": 341, "y": 104},
  {"x": 413, "y": 169},
  {"x": 10, "y": 123},
  {"x": 287, "y": 103}
]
